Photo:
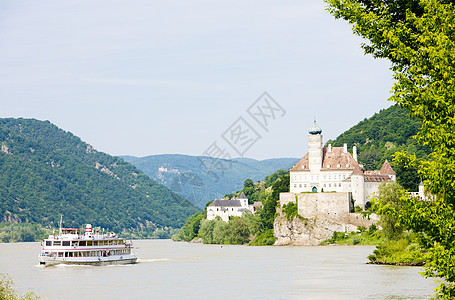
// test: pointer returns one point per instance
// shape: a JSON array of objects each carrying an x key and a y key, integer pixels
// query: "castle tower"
[
  {"x": 358, "y": 186},
  {"x": 315, "y": 148},
  {"x": 243, "y": 200}
]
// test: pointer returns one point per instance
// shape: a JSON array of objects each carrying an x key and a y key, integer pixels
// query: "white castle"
[{"x": 334, "y": 169}]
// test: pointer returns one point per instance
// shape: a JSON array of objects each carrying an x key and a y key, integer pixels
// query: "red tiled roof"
[
  {"x": 336, "y": 159},
  {"x": 357, "y": 170},
  {"x": 386, "y": 169},
  {"x": 300, "y": 163}
]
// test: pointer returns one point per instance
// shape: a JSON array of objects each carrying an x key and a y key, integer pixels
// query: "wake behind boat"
[{"x": 70, "y": 247}]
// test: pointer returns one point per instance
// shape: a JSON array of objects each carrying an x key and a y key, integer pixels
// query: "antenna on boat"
[{"x": 61, "y": 222}]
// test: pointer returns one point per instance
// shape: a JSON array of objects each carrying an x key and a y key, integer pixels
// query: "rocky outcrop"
[{"x": 313, "y": 230}]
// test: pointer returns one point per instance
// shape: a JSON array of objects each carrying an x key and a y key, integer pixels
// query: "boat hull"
[{"x": 93, "y": 261}]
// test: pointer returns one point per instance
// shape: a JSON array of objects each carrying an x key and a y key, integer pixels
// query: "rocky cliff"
[{"x": 312, "y": 230}]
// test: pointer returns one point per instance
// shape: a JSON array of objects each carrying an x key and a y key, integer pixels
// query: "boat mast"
[{"x": 60, "y": 225}]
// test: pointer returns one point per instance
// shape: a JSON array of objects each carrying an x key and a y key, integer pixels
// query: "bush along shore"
[{"x": 394, "y": 244}]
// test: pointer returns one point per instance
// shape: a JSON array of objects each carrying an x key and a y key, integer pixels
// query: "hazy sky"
[{"x": 150, "y": 77}]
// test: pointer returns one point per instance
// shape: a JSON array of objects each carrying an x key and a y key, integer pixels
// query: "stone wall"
[
  {"x": 330, "y": 204},
  {"x": 314, "y": 204}
]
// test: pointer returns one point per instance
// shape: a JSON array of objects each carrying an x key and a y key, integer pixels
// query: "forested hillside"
[
  {"x": 187, "y": 175},
  {"x": 46, "y": 172},
  {"x": 380, "y": 136}
]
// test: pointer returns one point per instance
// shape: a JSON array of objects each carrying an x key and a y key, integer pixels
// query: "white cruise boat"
[{"x": 70, "y": 247}]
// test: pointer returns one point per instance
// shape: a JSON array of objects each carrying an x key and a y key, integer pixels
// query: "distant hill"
[
  {"x": 46, "y": 172},
  {"x": 188, "y": 176},
  {"x": 379, "y": 137}
]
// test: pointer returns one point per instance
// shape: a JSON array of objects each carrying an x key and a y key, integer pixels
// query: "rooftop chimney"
[
  {"x": 330, "y": 148},
  {"x": 345, "y": 148},
  {"x": 354, "y": 152}
]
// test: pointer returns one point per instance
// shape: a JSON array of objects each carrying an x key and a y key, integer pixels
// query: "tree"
[
  {"x": 418, "y": 37},
  {"x": 238, "y": 232},
  {"x": 389, "y": 198},
  {"x": 248, "y": 188}
]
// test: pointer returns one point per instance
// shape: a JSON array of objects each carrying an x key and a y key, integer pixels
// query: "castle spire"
[{"x": 315, "y": 129}]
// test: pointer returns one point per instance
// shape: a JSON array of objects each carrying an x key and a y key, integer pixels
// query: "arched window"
[{"x": 315, "y": 189}]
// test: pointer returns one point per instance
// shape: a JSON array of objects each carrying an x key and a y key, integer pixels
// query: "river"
[{"x": 168, "y": 270}]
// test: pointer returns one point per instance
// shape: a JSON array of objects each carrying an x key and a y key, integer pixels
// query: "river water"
[{"x": 168, "y": 270}]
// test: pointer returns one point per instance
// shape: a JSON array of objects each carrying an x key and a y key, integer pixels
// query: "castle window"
[
  {"x": 330, "y": 185},
  {"x": 338, "y": 166},
  {"x": 311, "y": 177},
  {"x": 295, "y": 185},
  {"x": 344, "y": 176},
  {"x": 303, "y": 167},
  {"x": 339, "y": 184},
  {"x": 317, "y": 177},
  {"x": 300, "y": 185},
  {"x": 304, "y": 185},
  {"x": 324, "y": 177},
  {"x": 324, "y": 184},
  {"x": 330, "y": 177},
  {"x": 347, "y": 165},
  {"x": 328, "y": 166}
]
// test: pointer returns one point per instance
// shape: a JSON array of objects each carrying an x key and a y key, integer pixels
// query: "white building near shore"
[{"x": 227, "y": 208}]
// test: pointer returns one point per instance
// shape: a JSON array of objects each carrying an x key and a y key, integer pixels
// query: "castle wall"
[
  {"x": 313, "y": 204},
  {"x": 332, "y": 205}
]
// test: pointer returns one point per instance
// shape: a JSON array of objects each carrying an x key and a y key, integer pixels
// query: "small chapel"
[{"x": 335, "y": 169}]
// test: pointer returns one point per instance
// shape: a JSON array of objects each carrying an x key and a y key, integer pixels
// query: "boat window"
[
  {"x": 57, "y": 243},
  {"x": 66, "y": 243},
  {"x": 75, "y": 243},
  {"x": 48, "y": 243},
  {"x": 89, "y": 243},
  {"x": 95, "y": 243},
  {"x": 82, "y": 243}
]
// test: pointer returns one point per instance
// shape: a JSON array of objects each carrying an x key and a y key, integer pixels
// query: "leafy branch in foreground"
[
  {"x": 418, "y": 38},
  {"x": 7, "y": 291}
]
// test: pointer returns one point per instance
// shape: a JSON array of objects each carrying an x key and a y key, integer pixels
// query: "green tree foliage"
[
  {"x": 248, "y": 190},
  {"x": 46, "y": 172},
  {"x": 267, "y": 214},
  {"x": 238, "y": 232},
  {"x": 22, "y": 232},
  {"x": 418, "y": 37},
  {"x": 190, "y": 229},
  {"x": 389, "y": 198},
  {"x": 7, "y": 291},
  {"x": 381, "y": 136}
]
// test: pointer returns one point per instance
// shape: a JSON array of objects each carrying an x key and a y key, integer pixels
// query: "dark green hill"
[
  {"x": 46, "y": 172},
  {"x": 187, "y": 175},
  {"x": 380, "y": 136}
]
